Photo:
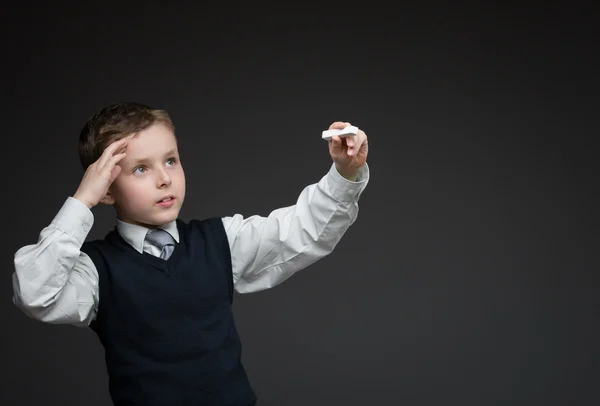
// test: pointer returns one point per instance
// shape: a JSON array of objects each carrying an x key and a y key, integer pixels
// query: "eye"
[
  {"x": 139, "y": 169},
  {"x": 171, "y": 161}
]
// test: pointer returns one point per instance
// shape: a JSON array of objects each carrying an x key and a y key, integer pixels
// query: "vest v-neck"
[{"x": 164, "y": 265}]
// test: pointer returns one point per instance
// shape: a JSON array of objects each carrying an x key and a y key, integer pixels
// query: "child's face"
[{"x": 150, "y": 172}]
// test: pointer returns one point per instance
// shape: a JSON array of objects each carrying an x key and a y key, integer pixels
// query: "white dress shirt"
[{"x": 55, "y": 282}]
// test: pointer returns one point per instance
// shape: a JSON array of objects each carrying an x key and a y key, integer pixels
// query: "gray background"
[{"x": 468, "y": 277}]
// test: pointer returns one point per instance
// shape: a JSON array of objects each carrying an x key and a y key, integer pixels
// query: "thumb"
[
  {"x": 336, "y": 145},
  {"x": 364, "y": 148}
]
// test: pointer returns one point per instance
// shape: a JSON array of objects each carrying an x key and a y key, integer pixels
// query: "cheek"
[
  {"x": 180, "y": 178},
  {"x": 128, "y": 192}
]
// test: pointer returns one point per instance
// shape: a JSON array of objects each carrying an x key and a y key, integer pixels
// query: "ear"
[{"x": 107, "y": 199}]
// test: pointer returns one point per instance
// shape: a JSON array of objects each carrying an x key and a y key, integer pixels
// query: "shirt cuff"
[
  {"x": 344, "y": 190},
  {"x": 75, "y": 219}
]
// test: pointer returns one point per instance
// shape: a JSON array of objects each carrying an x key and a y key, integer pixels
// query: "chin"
[
  {"x": 163, "y": 220},
  {"x": 155, "y": 221},
  {"x": 167, "y": 217}
]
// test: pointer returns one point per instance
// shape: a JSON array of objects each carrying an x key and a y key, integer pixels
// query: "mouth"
[{"x": 166, "y": 199}]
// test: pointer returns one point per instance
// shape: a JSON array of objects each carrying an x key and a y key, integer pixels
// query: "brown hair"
[{"x": 115, "y": 122}]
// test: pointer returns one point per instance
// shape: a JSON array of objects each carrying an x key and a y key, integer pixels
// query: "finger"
[
  {"x": 351, "y": 140},
  {"x": 110, "y": 150},
  {"x": 362, "y": 139},
  {"x": 116, "y": 170},
  {"x": 364, "y": 148},
  {"x": 116, "y": 146},
  {"x": 114, "y": 160},
  {"x": 353, "y": 144},
  {"x": 336, "y": 144},
  {"x": 359, "y": 139},
  {"x": 337, "y": 125}
]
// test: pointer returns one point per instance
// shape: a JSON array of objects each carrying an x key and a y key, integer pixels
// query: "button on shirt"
[{"x": 55, "y": 282}]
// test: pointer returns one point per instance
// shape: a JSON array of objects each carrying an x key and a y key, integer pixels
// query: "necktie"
[{"x": 163, "y": 240}]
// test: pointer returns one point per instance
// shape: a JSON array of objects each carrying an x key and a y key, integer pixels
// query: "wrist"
[
  {"x": 83, "y": 200},
  {"x": 351, "y": 175}
]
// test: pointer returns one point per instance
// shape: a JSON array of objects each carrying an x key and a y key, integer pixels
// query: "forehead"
[{"x": 153, "y": 142}]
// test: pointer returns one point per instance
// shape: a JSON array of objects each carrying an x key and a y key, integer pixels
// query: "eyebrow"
[{"x": 142, "y": 160}]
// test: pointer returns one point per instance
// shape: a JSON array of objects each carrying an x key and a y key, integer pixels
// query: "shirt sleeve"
[
  {"x": 53, "y": 280},
  {"x": 265, "y": 251}
]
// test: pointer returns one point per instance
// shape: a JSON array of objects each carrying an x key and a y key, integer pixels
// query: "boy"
[{"x": 157, "y": 290}]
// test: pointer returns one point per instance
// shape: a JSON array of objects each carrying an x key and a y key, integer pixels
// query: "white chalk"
[{"x": 344, "y": 132}]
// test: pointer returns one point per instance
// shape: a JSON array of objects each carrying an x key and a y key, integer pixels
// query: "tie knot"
[{"x": 159, "y": 238}]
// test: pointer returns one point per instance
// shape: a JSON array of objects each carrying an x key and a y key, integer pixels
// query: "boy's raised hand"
[
  {"x": 101, "y": 174},
  {"x": 348, "y": 153}
]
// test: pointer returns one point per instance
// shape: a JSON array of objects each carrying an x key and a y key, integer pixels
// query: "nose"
[{"x": 164, "y": 179}]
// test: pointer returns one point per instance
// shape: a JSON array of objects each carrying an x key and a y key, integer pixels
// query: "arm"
[
  {"x": 53, "y": 281},
  {"x": 265, "y": 251}
]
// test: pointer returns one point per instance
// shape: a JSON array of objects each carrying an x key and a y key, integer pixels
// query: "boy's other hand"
[
  {"x": 101, "y": 174},
  {"x": 348, "y": 153}
]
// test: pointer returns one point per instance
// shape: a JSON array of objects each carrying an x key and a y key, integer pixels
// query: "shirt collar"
[{"x": 135, "y": 234}]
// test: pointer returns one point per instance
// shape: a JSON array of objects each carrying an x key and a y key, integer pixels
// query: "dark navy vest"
[{"x": 167, "y": 326}]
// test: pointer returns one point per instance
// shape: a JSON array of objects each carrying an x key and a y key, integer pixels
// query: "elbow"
[
  {"x": 28, "y": 307},
  {"x": 35, "y": 302},
  {"x": 47, "y": 313},
  {"x": 27, "y": 301},
  {"x": 34, "y": 286}
]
